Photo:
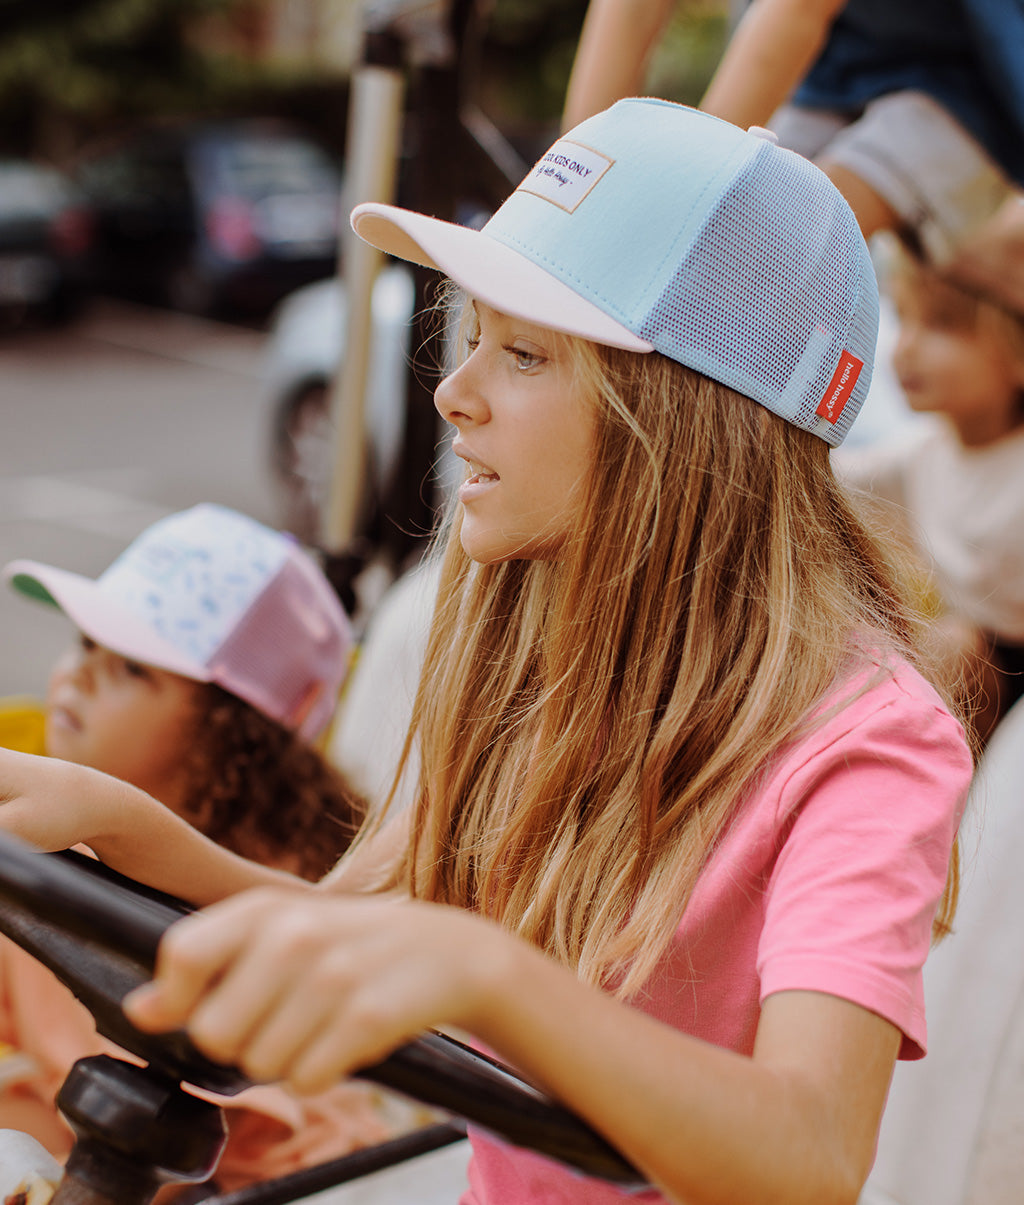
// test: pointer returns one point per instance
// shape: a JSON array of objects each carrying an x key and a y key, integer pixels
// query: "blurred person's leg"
[
  {"x": 922, "y": 165},
  {"x": 807, "y": 131}
]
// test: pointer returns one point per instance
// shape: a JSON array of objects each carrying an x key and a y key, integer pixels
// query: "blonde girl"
[{"x": 686, "y": 809}]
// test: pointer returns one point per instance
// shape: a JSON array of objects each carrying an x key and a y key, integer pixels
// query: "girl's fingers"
[
  {"x": 194, "y": 954},
  {"x": 308, "y": 988},
  {"x": 297, "y": 1024},
  {"x": 315, "y": 1067}
]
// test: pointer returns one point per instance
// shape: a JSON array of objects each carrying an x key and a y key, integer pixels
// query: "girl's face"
[
  {"x": 946, "y": 365},
  {"x": 121, "y": 717},
  {"x": 527, "y": 433}
]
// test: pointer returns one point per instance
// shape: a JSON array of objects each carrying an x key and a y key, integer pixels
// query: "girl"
[
  {"x": 685, "y": 810},
  {"x": 231, "y": 755}
]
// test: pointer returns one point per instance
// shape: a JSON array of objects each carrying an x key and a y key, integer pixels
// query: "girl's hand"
[{"x": 307, "y": 988}]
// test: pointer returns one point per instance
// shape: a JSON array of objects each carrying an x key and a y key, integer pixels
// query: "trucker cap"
[
  {"x": 655, "y": 227},
  {"x": 215, "y": 596}
]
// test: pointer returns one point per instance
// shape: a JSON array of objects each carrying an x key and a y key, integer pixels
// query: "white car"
[{"x": 304, "y": 351}]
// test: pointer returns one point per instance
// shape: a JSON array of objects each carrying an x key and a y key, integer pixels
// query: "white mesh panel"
[{"x": 765, "y": 301}]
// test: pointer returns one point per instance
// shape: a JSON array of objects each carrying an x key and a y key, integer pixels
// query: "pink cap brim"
[
  {"x": 101, "y": 617},
  {"x": 491, "y": 272}
]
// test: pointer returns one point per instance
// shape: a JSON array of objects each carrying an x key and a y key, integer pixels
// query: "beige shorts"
[{"x": 915, "y": 155}]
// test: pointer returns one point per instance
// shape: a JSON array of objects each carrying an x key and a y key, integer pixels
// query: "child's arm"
[
  {"x": 769, "y": 53},
  {"x": 55, "y": 804},
  {"x": 772, "y": 49},
  {"x": 615, "y": 45},
  {"x": 354, "y": 978}
]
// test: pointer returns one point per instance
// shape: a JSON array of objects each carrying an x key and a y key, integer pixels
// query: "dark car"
[
  {"x": 209, "y": 217},
  {"x": 44, "y": 233}
]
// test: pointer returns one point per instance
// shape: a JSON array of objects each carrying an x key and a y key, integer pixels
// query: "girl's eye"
[
  {"x": 525, "y": 358},
  {"x": 133, "y": 669},
  {"x": 85, "y": 644}
]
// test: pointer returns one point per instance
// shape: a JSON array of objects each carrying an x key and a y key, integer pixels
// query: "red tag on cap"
[{"x": 840, "y": 387}]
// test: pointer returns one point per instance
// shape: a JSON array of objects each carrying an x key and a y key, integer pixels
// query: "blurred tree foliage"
[
  {"x": 70, "y": 69},
  {"x": 73, "y": 68},
  {"x": 531, "y": 43}
]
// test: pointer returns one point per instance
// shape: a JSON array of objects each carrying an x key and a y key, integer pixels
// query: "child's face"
[
  {"x": 947, "y": 365},
  {"x": 129, "y": 720},
  {"x": 528, "y": 435}
]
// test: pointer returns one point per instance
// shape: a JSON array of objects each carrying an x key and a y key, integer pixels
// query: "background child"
[
  {"x": 953, "y": 489},
  {"x": 208, "y": 657},
  {"x": 685, "y": 809}
]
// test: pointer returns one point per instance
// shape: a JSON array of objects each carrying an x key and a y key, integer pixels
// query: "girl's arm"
[
  {"x": 611, "y": 59},
  {"x": 771, "y": 51},
  {"x": 55, "y": 804},
  {"x": 354, "y": 978},
  {"x": 797, "y": 1122}
]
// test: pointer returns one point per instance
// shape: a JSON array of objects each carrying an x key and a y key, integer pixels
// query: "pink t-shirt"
[{"x": 828, "y": 880}]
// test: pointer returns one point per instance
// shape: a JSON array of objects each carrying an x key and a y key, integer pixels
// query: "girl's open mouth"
[
  {"x": 480, "y": 476},
  {"x": 62, "y": 717}
]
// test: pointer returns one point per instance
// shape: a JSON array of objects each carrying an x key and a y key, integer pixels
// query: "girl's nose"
[{"x": 459, "y": 399}]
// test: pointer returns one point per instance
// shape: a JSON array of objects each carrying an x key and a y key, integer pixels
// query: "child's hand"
[
  {"x": 53, "y": 804},
  {"x": 308, "y": 988},
  {"x": 47, "y": 802}
]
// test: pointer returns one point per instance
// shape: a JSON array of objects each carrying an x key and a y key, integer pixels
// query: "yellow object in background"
[{"x": 22, "y": 724}]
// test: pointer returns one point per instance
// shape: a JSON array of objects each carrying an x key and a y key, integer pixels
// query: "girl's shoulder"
[{"x": 883, "y": 722}]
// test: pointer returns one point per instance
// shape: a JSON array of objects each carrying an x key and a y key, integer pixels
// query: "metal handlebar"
[{"x": 99, "y": 932}]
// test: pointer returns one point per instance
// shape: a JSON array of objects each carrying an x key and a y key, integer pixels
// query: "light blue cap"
[{"x": 655, "y": 227}]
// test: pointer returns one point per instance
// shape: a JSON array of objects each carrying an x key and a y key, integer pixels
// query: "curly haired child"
[{"x": 207, "y": 658}]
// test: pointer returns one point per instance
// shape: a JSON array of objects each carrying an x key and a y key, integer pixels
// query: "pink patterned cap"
[{"x": 213, "y": 595}]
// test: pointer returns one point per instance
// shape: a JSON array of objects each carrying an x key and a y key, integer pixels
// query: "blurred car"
[
  {"x": 45, "y": 231},
  {"x": 211, "y": 216},
  {"x": 304, "y": 352}
]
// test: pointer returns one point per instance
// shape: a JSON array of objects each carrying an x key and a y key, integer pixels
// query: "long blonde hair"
[{"x": 588, "y": 727}]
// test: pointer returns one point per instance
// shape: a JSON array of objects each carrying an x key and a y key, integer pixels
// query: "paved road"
[{"x": 123, "y": 417}]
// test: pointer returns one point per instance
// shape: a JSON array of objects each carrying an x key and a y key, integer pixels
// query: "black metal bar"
[
  {"x": 102, "y": 907},
  {"x": 96, "y": 906}
]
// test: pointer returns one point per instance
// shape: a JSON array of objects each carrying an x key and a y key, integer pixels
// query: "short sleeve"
[{"x": 870, "y": 819}]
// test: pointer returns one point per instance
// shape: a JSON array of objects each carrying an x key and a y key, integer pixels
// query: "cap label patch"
[
  {"x": 566, "y": 174},
  {"x": 840, "y": 387}
]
